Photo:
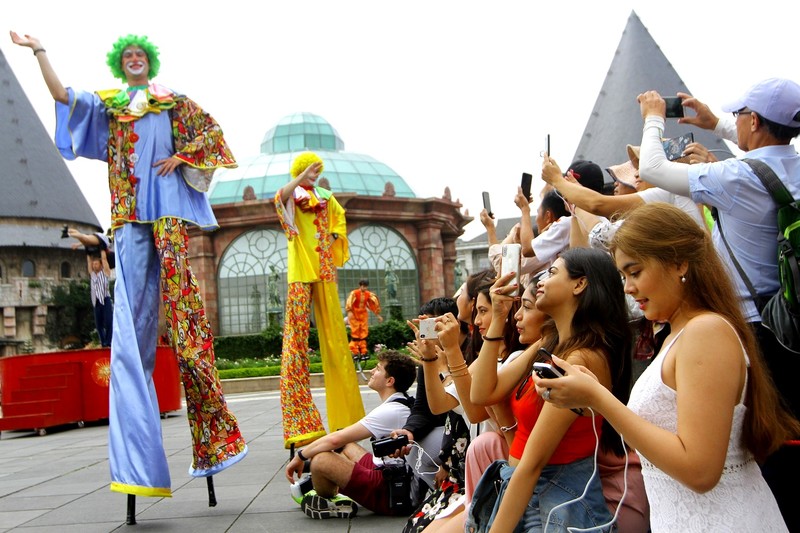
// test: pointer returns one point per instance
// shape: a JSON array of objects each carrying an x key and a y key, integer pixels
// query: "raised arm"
[
  {"x": 491, "y": 230},
  {"x": 311, "y": 173},
  {"x": 488, "y": 385},
  {"x": 707, "y": 373},
  {"x": 525, "y": 224},
  {"x": 449, "y": 329},
  {"x": 654, "y": 167},
  {"x": 57, "y": 90},
  {"x": 587, "y": 199},
  {"x": 104, "y": 260}
]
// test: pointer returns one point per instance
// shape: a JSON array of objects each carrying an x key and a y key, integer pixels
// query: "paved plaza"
[{"x": 59, "y": 482}]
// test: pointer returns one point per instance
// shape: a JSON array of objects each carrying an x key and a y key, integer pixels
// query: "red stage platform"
[{"x": 38, "y": 391}]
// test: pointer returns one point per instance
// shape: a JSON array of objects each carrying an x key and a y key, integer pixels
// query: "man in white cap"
[{"x": 765, "y": 120}]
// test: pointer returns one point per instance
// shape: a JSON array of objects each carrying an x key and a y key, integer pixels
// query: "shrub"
[{"x": 393, "y": 334}]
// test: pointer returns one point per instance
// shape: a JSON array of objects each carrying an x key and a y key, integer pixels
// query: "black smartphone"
[
  {"x": 674, "y": 107},
  {"x": 487, "y": 204},
  {"x": 547, "y": 144},
  {"x": 387, "y": 446},
  {"x": 527, "y": 179},
  {"x": 545, "y": 354}
]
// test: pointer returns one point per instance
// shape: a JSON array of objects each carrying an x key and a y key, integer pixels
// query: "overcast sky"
[{"x": 447, "y": 93}]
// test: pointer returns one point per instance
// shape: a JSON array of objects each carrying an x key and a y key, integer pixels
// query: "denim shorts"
[{"x": 557, "y": 484}]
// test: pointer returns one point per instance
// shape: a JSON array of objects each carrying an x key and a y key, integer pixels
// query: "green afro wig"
[
  {"x": 114, "y": 57},
  {"x": 303, "y": 161}
]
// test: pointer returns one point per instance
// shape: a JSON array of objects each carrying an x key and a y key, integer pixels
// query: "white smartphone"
[
  {"x": 510, "y": 261},
  {"x": 427, "y": 329}
]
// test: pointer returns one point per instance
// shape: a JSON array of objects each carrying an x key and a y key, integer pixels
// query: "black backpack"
[{"x": 780, "y": 312}]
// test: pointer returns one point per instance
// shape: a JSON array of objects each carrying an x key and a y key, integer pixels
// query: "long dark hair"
[
  {"x": 600, "y": 323},
  {"x": 480, "y": 283}
]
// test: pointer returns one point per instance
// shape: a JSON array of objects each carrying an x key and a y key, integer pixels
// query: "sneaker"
[
  {"x": 301, "y": 487},
  {"x": 315, "y": 506}
]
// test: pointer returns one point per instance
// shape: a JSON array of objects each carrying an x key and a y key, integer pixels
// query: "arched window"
[
  {"x": 28, "y": 268},
  {"x": 252, "y": 275},
  {"x": 374, "y": 251},
  {"x": 66, "y": 270},
  {"x": 247, "y": 282}
]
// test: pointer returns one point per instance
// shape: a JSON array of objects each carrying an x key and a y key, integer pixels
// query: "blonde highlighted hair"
[{"x": 663, "y": 233}]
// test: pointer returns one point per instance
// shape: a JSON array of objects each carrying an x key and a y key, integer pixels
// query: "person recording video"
[{"x": 344, "y": 474}]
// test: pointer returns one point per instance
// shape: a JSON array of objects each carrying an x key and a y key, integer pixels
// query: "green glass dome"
[{"x": 300, "y": 132}]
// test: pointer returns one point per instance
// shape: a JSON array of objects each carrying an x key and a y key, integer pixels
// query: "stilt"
[
  {"x": 131, "y": 518},
  {"x": 212, "y": 497}
]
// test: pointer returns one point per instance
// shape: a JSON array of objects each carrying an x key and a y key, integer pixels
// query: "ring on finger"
[{"x": 546, "y": 395}]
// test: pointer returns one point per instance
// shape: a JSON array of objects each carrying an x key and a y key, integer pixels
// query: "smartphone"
[
  {"x": 674, "y": 107},
  {"x": 675, "y": 146},
  {"x": 427, "y": 329},
  {"x": 527, "y": 179},
  {"x": 487, "y": 204},
  {"x": 510, "y": 257},
  {"x": 547, "y": 144},
  {"x": 546, "y": 371}
]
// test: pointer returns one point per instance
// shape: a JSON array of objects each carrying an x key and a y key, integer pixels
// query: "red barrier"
[{"x": 38, "y": 391}]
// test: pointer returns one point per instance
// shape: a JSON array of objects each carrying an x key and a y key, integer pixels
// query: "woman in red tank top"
[{"x": 551, "y": 459}]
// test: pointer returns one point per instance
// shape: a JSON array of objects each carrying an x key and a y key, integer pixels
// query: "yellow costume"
[{"x": 315, "y": 227}]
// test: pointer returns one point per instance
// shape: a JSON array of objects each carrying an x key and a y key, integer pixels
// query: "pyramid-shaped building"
[
  {"x": 638, "y": 65},
  {"x": 39, "y": 197}
]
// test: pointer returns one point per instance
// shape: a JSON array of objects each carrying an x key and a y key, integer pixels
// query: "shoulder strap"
[
  {"x": 780, "y": 194},
  {"x": 406, "y": 400},
  {"x": 739, "y": 269},
  {"x": 771, "y": 182}
]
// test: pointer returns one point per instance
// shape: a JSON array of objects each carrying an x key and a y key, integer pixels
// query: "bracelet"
[
  {"x": 301, "y": 456},
  {"x": 37, "y": 50},
  {"x": 429, "y": 360},
  {"x": 506, "y": 429},
  {"x": 464, "y": 373},
  {"x": 492, "y": 338},
  {"x": 457, "y": 367}
]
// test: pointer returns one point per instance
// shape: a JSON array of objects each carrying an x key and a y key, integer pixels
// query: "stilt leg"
[
  {"x": 212, "y": 497},
  {"x": 131, "y": 518}
]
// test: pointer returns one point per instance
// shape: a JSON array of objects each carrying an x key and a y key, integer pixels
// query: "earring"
[{"x": 683, "y": 279}]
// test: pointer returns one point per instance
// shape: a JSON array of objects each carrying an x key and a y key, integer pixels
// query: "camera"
[
  {"x": 674, "y": 107},
  {"x": 675, "y": 146},
  {"x": 427, "y": 330},
  {"x": 388, "y": 445},
  {"x": 398, "y": 478},
  {"x": 510, "y": 260}
]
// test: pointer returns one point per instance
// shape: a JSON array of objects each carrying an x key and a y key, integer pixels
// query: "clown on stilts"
[
  {"x": 315, "y": 227},
  {"x": 147, "y": 134}
]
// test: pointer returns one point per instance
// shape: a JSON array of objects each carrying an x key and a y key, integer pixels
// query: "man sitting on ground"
[{"x": 339, "y": 465}]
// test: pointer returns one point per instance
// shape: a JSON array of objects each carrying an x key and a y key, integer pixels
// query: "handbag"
[{"x": 488, "y": 492}]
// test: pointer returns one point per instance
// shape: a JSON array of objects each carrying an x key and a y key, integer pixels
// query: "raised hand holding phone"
[
  {"x": 487, "y": 204},
  {"x": 525, "y": 183}
]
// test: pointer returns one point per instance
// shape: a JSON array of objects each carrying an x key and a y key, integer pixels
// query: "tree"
[{"x": 70, "y": 320}]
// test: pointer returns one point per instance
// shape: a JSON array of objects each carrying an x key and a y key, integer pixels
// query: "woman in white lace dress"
[{"x": 705, "y": 409}]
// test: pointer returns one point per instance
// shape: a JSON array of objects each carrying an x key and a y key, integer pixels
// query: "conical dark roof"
[
  {"x": 639, "y": 65},
  {"x": 35, "y": 180}
]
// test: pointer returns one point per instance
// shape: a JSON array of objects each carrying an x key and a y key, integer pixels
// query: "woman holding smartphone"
[
  {"x": 551, "y": 457},
  {"x": 705, "y": 410}
]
